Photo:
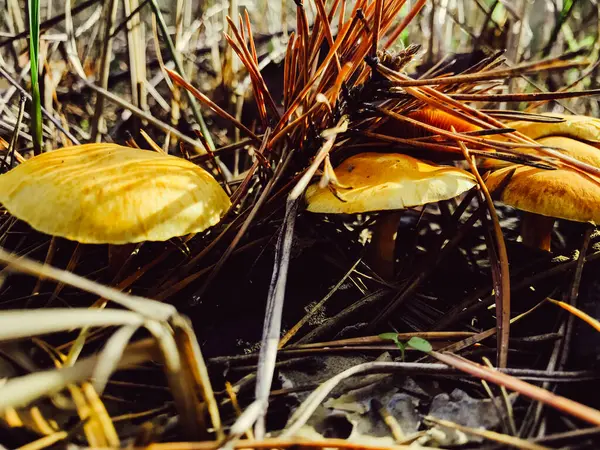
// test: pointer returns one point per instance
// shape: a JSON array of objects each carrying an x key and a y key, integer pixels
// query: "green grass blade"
[{"x": 34, "y": 49}]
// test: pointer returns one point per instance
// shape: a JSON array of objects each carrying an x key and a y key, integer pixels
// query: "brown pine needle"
[
  {"x": 405, "y": 22},
  {"x": 212, "y": 105},
  {"x": 494, "y": 74},
  {"x": 577, "y": 313},
  {"x": 251, "y": 64},
  {"x": 481, "y": 119},
  {"x": 376, "y": 27},
  {"x": 324, "y": 19},
  {"x": 501, "y": 276},
  {"x": 524, "y": 97}
]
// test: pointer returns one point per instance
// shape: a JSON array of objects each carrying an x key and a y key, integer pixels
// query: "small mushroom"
[
  {"x": 110, "y": 194},
  {"x": 546, "y": 195},
  {"x": 583, "y": 128},
  {"x": 387, "y": 182}
]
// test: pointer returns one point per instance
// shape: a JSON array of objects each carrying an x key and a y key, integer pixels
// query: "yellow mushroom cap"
[
  {"x": 579, "y": 127},
  {"x": 387, "y": 181},
  {"x": 561, "y": 193},
  {"x": 107, "y": 193}
]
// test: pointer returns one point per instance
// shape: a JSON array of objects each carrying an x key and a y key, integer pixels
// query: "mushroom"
[
  {"x": 582, "y": 128},
  {"x": 110, "y": 194},
  {"x": 546, "y": 195},
  {"x": 429, "y": 116},
  {"x": 387, "y": 182}
]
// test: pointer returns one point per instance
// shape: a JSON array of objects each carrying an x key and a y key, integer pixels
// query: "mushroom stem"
[
  {"x": 381, "y": 253},
  {"x": 536, "y": 230}
]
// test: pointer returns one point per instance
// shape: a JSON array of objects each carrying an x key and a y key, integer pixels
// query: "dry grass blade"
[
  {"x": 179, "y": 66},
  {"x": 49, "y": 23},
  {"x": 18, "y": 324},
  {"x": 48, "y": 321},
  {"x": 23, "y": 390},
  {"x": 97, "y": 424},
  {"x": 111, "y": 355},
  {"x": 46, "y": 441},
  {"x": 12, "y": 148},
  {"x": 194, "y": 365},
  {"x": 273, "y": 315},
  {"x": 146, "y": 116}
]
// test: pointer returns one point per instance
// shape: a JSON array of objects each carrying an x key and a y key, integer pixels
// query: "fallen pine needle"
[{"x": 577, "y": 313}]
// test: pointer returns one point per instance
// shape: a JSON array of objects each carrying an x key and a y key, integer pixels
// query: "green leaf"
[
  {"x": 419, "y": 344},
  {"x": 389, "y": 336}
]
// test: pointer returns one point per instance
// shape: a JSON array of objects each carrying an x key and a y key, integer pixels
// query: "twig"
[
  {"x": 276, "y": 296},
  {"x": 12, "y": 148}
]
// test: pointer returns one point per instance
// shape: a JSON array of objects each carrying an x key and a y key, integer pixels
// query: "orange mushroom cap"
[
  {"x": 561, "y": 193},
  {"x": 387, "y": 181}
]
